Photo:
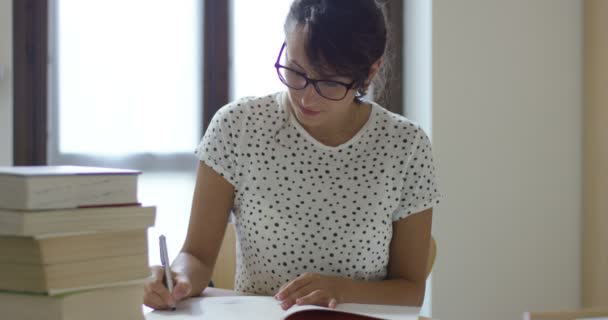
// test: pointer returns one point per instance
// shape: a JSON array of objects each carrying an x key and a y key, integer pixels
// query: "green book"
[
  {"x": 116, "y": 303},
  {"x": 58, "y": 221},
  {"x": 62, "y": 263}
]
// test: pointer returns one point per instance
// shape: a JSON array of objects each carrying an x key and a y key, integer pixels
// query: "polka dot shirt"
[{"x": 301, "y": 206}]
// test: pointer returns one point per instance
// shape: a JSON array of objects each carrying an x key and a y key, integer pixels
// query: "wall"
[
  {"x": 507, "y": 129},
  {"x": 6, "y": 83},
  {"x": 595, "y": 261},
  {"x": 417, "y": 18},
  {"x": 507, "y": 134}
]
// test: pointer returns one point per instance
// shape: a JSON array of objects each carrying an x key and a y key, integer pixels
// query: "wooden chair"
[
  {"x": 568, "y": 314},
  {"x": 225, "y": 266}
]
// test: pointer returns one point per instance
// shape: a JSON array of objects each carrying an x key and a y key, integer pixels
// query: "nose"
[{"x": 309, "y": 96}]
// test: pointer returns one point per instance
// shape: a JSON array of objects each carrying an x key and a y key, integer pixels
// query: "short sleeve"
[
  {"x": 419, "y": 191},
  {"x": 219, "y": 148}
]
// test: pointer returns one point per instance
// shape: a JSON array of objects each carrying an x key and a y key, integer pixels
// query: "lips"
[{"x": 308, "y": 112}]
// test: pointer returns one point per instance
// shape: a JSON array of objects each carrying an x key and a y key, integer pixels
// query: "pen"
[{"x": 164, "y": 258}]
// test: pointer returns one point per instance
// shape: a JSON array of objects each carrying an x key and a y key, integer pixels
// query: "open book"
[{"x": 267, "y": 308}]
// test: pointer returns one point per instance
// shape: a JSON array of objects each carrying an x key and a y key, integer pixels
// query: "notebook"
[{"x": 267, "y": 308}]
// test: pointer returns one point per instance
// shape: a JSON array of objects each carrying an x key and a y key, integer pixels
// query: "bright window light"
[
  {"x": 257, "y": 36},
  {"x": 128, "y": 76}
]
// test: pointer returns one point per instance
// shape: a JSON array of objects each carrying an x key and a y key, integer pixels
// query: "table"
[{"x": 191, "y": 309}]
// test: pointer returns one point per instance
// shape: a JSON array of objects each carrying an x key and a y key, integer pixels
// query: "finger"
[
  {"x": 317, "y": 297},
  {"x": 175, "y": 275},
  {"x": 333, "y": 303},
  {"x": 159, "y": 289},
  {"x": 158, "y": 273},
  {"x": 293, "y": 286},
  {"x": 298, "y": 278},
  {"x": 288, "y": 302},
  {"x": 154, "y": 301},
  {"x": 182, "y": 288}
]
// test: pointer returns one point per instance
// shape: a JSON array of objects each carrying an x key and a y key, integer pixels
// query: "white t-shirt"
[{"x": 301, "y": 206}]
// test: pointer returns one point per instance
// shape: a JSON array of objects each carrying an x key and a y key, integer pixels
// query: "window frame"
[
  {"x": 30, "y": 42},
  {"x": 31, "y": 81},
  {"x": 174, "y": 161}
]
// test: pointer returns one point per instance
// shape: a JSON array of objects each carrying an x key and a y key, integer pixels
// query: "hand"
[
  {"x": 156, "y": 294},
  {"x": 310, "y": 288}
]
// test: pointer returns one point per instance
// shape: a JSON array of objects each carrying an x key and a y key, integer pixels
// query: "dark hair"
[{"x": 346, "y": 36}]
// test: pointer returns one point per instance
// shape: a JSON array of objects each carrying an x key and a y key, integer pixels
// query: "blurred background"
[{"x": 512, "y": 93}]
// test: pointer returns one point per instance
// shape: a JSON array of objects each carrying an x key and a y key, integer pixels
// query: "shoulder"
[
  {"x": 397, "y": 127},
  {"x": 250, "y": 111}
]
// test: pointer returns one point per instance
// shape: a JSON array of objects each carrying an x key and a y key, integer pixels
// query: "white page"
[
  {"x": 225, "y": 308},
  {"x": 266, "y": 308}
]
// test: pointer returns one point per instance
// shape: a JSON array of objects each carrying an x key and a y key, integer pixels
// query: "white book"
[
  {"x": 55, "y": 187},
  {"x": 268, "y": 308},
  {"x": 65, "y": 221}
]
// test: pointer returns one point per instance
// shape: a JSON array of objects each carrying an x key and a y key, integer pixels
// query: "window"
[
  {"x": 125, "y": 80},
  {"x": 144, "y": 138},
  {"x": 123, "y": 89},
  {"x": 255, "y": 43}
]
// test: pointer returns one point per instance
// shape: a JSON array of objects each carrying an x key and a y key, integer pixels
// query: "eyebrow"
[
  {"x": 323, "y": 76},
  {"x": 296, "y": 63}
]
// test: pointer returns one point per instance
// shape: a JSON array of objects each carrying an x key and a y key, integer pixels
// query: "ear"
[{"x": 373, "y": 70}]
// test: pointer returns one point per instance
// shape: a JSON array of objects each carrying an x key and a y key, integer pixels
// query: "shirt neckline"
[{"x": 310, "y": 138}]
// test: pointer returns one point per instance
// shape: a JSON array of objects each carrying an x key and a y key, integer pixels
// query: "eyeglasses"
[{"x": 328, "y": 89}]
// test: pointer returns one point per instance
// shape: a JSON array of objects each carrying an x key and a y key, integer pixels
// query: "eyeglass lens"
[{"x": 327, "y": 89}]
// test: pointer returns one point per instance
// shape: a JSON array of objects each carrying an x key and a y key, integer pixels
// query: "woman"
[{"x": 331, "y": 195}]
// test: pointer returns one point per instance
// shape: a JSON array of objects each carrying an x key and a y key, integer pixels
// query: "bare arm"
[
  {"x": 213, "y": 198},
  {"x": 405, "y": 283}
]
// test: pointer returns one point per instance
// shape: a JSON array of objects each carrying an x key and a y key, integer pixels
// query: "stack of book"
[{"x": 73, "y": 243}]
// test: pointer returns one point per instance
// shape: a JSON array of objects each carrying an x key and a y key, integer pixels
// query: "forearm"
[
  {"x": 391, "y": 292},
  {"x": 197, "y": 272}
]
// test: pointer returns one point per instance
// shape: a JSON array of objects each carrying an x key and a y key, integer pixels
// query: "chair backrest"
[
  {"x": 589, "y": 313},
  {"x": 432, "y": 254},
  {"x": 225, "y": 266}
]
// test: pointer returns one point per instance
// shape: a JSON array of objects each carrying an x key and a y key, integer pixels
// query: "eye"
[{"x": 329, "y": 84}]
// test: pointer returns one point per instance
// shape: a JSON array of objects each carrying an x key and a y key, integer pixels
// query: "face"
[{"x": 310, "y": 108}]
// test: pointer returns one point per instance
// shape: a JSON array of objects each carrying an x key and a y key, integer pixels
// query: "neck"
[{"x": 335, "y": 133}]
